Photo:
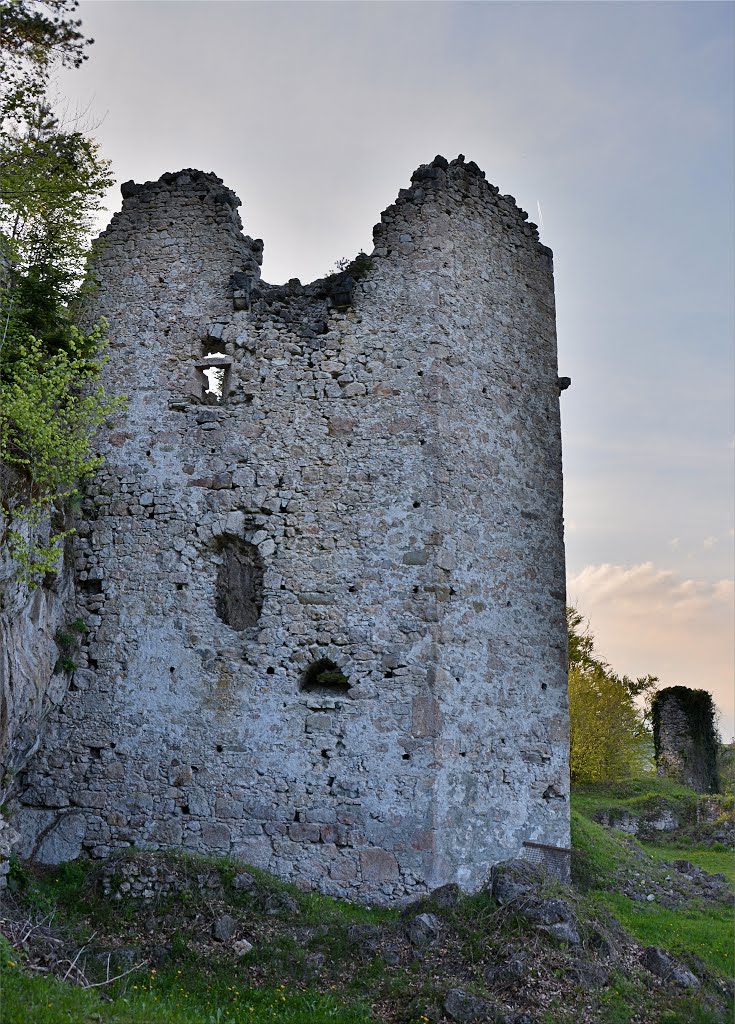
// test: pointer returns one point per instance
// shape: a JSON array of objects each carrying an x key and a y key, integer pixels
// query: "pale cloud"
[
  {"x": 709, "y": 542},
  {"x": 647, "y": 619},
  {"x": 674, "y": 542}
]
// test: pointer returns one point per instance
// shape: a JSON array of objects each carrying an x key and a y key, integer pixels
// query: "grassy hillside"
[
  {"x": 154, "y": 939},
  {"x": 679, "y": 908}
]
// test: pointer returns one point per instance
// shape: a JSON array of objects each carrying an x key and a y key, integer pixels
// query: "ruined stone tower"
[
  {"x": 685, "y": 737},
  {"x": 323, "y": 566}
]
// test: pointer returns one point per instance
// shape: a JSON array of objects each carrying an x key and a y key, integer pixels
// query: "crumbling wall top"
[
  {"x": 188, "y": 179},
  {"x": 465, "y": 181}
]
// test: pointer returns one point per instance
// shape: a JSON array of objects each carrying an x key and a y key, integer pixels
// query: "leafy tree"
[
  {"x": 51, "y": 184},
  {"x": 51, "y": 405},
  {"x": 34, "y": 36},
  {"x": 52, "y": 180},
  {"x": 609, "y": 737}
]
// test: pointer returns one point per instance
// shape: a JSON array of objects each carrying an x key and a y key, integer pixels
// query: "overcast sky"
[{"x": 611, "y": 123}]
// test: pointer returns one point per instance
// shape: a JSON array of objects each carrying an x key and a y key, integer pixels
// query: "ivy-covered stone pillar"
[{"x": 685, "y": 737}]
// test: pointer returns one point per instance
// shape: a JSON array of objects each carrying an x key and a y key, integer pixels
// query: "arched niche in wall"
[
  {"x": 325, "y": 677},
  {"x": 239, "y": 585}
]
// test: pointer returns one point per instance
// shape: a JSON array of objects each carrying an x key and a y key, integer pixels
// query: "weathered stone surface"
[
  {"x": 366, "y": 938},
  {"x": 667, "y": 967},
  {"x": 30, "y": 685},
  {"x": 555, "y": 917},
  {"x": 63, "y": 841},
  {"x": 224, "y": 928},
  {"x": 8, "y": 840},
  {"x": 549, "y": 911},
  {"x": 589, "y": 975},
  {"x": 390, "y": 447},
  {"x": 446, "y": 896},
  {"x": 378, "y": 866},
  {"x": 685, "y": 738},
  {"x": 514, "y": 880},
  {"x": 283, "y": 905},
  {"x": 647, "y": 824},
  {"x": 244, "y": 882},
  {"x": 507, "y": 974},
  {"x": 563, "y": 931},
  {"x": 423, "y": 930}
]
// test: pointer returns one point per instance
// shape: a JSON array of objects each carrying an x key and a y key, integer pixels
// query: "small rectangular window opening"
[{"x": 213, "y": 377}]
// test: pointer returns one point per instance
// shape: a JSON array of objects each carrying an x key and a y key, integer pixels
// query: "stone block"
[
  {"x": 63, "y": 841},
  {"x": 426, "y": 718},
  {"x": 378, "y": 866},
  {"x": 216, "y": 836}
]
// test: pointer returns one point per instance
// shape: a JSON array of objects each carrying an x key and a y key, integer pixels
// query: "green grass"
[
  {"x": 589, "y": 798},
  {"x": 598, "y": 853},
  {"x": 169, "y": 997},
  {"x": 691, "y": 1011},
  {"x": 187, "y": 988},
  {"x": 623, "y": 997},
  {"x": 44, "y": 893},
  {"x": 644, "y": 798},
  {"x": 708, "y": 934},
  {"x": 645, "y": 795}
]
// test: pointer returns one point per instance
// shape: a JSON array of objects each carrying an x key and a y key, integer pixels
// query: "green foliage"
[
  {"x": 202, "y": 982},
  {"x": 51, "y": 404},
  {"x": 168, "y": 996},
  {"x": 599, "y": 854},
  {"x": 67, "y": 638},
  {"x": 34, "y": 36},
  {"x": 52, "y": 180},
  {"x": 608, "y": 736},
  {"x": 629, "y": 792},
  {"x": 360, "y": 266}
]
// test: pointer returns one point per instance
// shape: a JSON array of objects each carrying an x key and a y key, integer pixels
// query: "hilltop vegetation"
[
  {"x": 207, "y": 941},
  {"x": 609, "y": 734}
]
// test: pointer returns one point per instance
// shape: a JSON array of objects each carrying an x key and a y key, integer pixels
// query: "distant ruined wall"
[
  {"x": 377, "y": 497},
  {"x": 685, "y": 738}
]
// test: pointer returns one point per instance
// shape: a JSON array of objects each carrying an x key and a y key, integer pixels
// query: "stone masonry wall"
[
  {"x": 685, "y": 738},
  {"x": 379, "y": 492},
  {"x": 30, "y": 684}
]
